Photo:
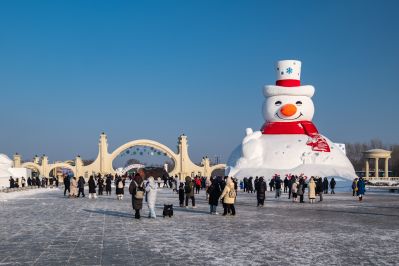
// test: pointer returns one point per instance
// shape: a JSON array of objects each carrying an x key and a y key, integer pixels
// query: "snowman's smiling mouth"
[{"x": 300, "y": 114}]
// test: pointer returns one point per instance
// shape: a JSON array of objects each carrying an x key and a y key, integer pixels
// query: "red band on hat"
[{"x": 288, "y": 82}]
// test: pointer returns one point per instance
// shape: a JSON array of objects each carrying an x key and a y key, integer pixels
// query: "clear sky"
[{"x": 155, "y": 69}]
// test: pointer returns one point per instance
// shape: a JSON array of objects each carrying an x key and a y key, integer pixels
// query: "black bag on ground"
[{"x": 167, "y": 210}]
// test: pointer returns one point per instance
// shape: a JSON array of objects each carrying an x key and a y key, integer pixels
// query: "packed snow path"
[{"x": 47, "y": 229}]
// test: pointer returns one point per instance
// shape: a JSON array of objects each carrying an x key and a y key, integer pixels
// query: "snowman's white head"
[{"x": 288, "y": 108}]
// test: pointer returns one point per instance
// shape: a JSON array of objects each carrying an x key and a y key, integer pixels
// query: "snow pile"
[
  {"x": 266, "y": 155},
  {"x": 25, "y": 193}
]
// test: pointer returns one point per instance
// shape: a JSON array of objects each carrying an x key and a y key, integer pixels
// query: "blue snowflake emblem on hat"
[{"x": 289, "y": 70}]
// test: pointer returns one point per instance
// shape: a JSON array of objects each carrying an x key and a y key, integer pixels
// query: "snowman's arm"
[{"x": 251, "y": 135}]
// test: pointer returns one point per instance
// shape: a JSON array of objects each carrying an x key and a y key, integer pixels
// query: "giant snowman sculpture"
[{"x": 288, "y": 142}]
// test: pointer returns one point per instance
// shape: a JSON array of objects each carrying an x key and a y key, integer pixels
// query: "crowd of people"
[
  {"x": 43, "y": 182},
  {"x": 219, "y": 190}
]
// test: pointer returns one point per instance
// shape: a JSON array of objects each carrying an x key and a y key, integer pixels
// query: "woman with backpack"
[
  {"x": 119, "y": 188},
  {"x": 92, "y": 188},
  {"x": 151, "y": 189},
  {"x": 137, "y": 190},
  {"x": 229, "y": 196}
]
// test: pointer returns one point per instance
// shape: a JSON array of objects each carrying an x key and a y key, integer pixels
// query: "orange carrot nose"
[{"x": 288, "y": 109}]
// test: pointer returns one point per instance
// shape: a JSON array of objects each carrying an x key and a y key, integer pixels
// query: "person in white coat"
[{"x": 151, "y": 189}]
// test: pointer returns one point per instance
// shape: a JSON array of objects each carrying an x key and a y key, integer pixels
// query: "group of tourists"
[
  {"x": 223, "y": 190},
  {"x": 219, "y": 190},
  {"x": 43, "y": 182},
  {"x": 295, "y": 186},
  {"x": 75, "y": 186}
]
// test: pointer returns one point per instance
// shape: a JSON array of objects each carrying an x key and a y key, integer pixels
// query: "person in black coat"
[
  {"x": 319, "y": 188},
  {"x": 100, "y": 184},
  {"x": 12, "y": 182},
  {"x": 255, "y": 183},
  {"x": 108, "y": 182},
  {"x": 261, "y": 191},
  {"x": 214, "y": 192},
  {"x": 250, "y": 187},
  {"x": 81, "y": 186},
  {"x": 271, "y": 184},
  {"x": 325, "y": 185},
  {"x": 37, "y": 182},
  {"x": 181, "y": 194},
  {"x": 286, "y": 181},
  {"x": 92, "y": 188},
  {"x": 332, "y": 185},
  {"x": 67, "y": 185}
]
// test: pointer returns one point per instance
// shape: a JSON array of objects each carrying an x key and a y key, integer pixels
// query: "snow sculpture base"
[{"x": 267, "y": 155}]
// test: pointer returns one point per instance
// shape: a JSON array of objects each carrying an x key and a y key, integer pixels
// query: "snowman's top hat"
[{"x": 288, "y": 80}]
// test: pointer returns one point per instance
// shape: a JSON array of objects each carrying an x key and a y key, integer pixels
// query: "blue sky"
[{"x": 155, "y": 69}]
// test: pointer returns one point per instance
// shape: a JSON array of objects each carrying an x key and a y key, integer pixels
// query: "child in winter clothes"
[{"x": 181, "y": 195}]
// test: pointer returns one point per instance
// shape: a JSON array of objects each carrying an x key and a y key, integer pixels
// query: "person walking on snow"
[
  {"x": 137, "y": 190},
  {"x": 229, "y": 197},
  {"x": 189, "y": 190},
  {"x": 261, "y": 191},
  {"x": 361, "y": 188},
  {"x": 312, "y": 190},
  {"x": 81, "y": 186},
  {"x": 74, "y": 188},
  {"x": 325, "y": 185},
  {"x": 119, "y": 188},
  {"x": 151, "y": 190},
  {"x": 92, "y": 188},
  {"x": 332, "y": 185}
]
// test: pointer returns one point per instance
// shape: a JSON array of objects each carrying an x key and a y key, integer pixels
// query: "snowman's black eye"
[
  {"x": 278, "y": 103},
  {"x": 299, "y": 103}
]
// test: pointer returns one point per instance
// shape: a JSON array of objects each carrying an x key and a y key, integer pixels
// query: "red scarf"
[{"x": 316, "y": 141}]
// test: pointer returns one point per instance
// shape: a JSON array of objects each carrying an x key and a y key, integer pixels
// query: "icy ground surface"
[{"x": 47, "y": 229}]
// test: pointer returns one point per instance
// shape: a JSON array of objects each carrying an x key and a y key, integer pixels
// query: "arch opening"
[{"x": 138, "y": 154}]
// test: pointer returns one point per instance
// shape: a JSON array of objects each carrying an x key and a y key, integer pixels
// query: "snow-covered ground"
[
  {"x": 25, "y": 194},
  {"x": 46, "y": 228}
]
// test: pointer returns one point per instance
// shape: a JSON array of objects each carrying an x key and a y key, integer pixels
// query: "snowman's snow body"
[{"x": 289, "y": 143}]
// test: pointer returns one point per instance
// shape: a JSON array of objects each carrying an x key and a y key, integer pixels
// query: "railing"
[{"x": 382, "y": 179}]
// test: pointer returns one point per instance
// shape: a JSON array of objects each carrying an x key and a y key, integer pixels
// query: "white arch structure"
[
  {"x": 103, "y": 163},
  {"x": 130, "y": 167}
]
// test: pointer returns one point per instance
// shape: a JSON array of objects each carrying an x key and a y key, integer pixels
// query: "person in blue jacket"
[{"x": 361, "y": 188}]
